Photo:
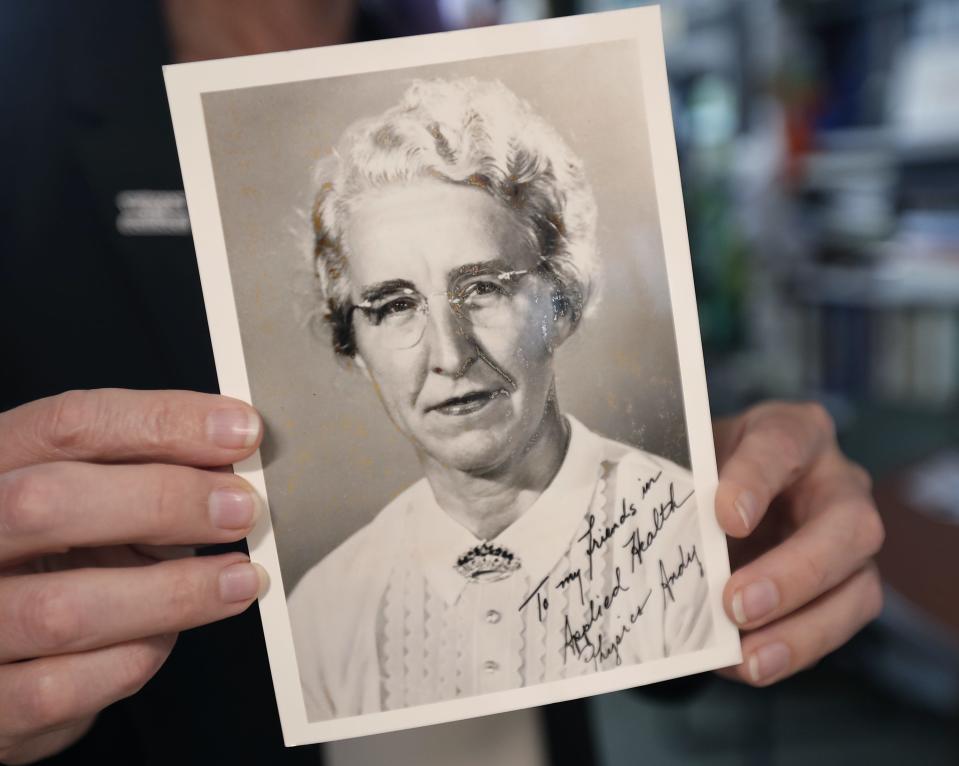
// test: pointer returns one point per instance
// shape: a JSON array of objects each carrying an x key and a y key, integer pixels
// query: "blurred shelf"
[
  {"x": 896, "y": 284},
  {"x": 820, "y": 12},
  {"x": 882, "y": 144}
]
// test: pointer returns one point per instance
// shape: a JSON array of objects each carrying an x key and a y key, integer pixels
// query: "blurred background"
[{"x": 819, "y": 149}]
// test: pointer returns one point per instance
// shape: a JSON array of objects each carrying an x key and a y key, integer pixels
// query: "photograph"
[{"x": 452, "y": 274}]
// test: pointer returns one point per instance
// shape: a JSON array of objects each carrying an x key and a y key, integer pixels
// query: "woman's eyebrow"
[
  {"x": 495, "y": 266},
  {"x": 380, "y": 290}
]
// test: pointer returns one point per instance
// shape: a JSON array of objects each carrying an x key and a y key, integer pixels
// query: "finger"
[
  {"x": 119, "y": 425},
  {"x": 55, "y": 506},
  {"x": 52, "y": 692},
  {"x": 14, "y": 751},
  {"x": 767, "y": 451},
  {"x": 823, "y": 552},
  {"x": 65, "y": 612},
  {"x": 804, "y": 637}
]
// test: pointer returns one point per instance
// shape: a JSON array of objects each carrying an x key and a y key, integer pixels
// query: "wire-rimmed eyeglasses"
[{"x": 399, "y": 313}]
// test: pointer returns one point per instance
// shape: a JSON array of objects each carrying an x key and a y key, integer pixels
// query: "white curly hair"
[{"x": 469, "y": 132}]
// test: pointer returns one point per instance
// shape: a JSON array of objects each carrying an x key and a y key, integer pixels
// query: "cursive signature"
[{"x": 667, "y": 579}]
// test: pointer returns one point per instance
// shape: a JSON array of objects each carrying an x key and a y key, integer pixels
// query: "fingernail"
[
  {"x": 235, "y": 428},
  {"x": 242, "y": 582},
  {"x": 755, "y": 601},
  {"x": 233, "y": 508},
  {"x": 769, "y": 661},
  {"x": 747, "y": 508}
]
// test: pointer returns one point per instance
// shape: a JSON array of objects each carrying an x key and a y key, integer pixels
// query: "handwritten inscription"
[
  {"x": 668, "y": 579},
  {"x": 596, "y": 540},
  {"x": 574, "y": 576},
  {"x": 542, "y": 602},
  {"x": 638, "y": 543},
  {"x": 599, "y": 616},
  {"x": 579, "y": 640}
]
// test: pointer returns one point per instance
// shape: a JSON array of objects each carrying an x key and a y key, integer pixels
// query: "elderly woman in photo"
[{"x": 456, "y": 253}]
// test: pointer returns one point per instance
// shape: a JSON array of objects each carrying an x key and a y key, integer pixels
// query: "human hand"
[
  {"x": 94, "y": 487},
  {"x": 805, "y": 529}
]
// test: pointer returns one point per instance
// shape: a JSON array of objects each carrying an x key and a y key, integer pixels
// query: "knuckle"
[
  {"x": 822, "y": 642},
  {"x": 185, "y": 598},
  {"x": 860, "y": 475},
  {"x": 139, "y": 665},
  {"x": 812, "y": 575},
  {"x": 46, "y": 700},
  {"x": 50, "y": 621},
  {"x": 817, "y": 415},
  {"x": 761, "y": 409},
  {"x": 161, "y": 424},
  {"x": 165, "y": 643},
  {"x": 858, "y": 528},
  {"x": 163, "y": 506},
  {"x": 872, "y": 532},
  {"x": 784, "y": 442},
  {"x": 812, "y": 661},
  {"x": 26, "y": 502},
  {"x": 71, "y": 420}
]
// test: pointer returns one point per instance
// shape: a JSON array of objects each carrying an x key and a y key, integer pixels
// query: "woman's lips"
[{"x": 467, "y": 404}]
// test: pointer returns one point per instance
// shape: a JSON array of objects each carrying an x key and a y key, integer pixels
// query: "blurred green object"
[{"x": 719, "y": 251}]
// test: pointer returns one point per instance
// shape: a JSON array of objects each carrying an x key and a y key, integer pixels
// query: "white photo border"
[{"x": 186, "y": 83}]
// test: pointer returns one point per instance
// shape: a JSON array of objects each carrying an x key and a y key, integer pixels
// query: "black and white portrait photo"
[
  {"x": 456, "y": 249},
  {"x": 452, "y": 276}
]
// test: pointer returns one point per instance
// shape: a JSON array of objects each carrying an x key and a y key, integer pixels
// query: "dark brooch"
[{"x": 487, "y": 563}]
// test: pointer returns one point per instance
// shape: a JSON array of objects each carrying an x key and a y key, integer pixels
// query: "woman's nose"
[{"x": 451, "y": 347}]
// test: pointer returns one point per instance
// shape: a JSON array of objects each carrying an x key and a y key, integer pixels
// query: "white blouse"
[{"x": 607, "y": 569}]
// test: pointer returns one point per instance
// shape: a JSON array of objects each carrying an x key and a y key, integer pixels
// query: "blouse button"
[
  {"x": 491, "y": 666},
  {"x": 493, "y": 617}
]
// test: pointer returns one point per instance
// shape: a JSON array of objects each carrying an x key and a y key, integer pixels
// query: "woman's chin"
[{"x": 476, "y": 453}]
